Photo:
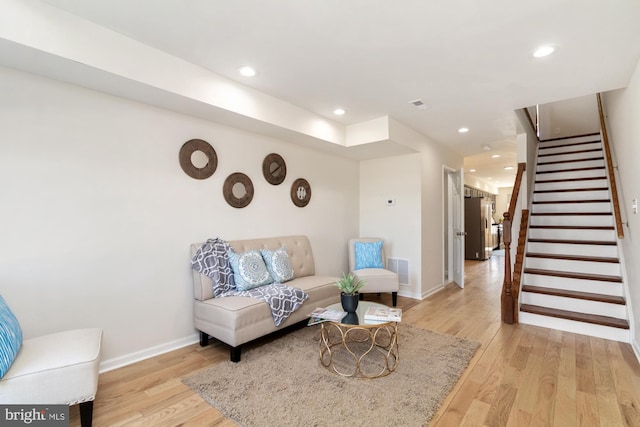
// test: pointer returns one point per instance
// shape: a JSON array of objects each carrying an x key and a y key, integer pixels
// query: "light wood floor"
[{"x": 521, "y": 376}]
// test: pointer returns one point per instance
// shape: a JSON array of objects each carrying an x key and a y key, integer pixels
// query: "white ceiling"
[{"x": 469, "y": 61}]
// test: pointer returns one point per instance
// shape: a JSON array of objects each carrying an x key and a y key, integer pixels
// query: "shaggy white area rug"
[{"x": 282, "y": 383}]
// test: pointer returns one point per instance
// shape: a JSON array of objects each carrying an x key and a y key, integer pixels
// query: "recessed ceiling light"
[
  {"x": 508, "y": 168},
  {"x": 543, "y": 51},
  {"x": 247, "y": 71},
  {"x": 472, "y": 170},
  {"x": 339, "y": 111},
  {"x": 489, "y": 177},
  {"x": 486, "y": 147},
  {"x": 463, "y": 130},
  {"x": 495, "y": 156}
]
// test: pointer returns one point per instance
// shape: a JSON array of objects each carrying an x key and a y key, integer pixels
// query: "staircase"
[{"x": 572, "y": 278}]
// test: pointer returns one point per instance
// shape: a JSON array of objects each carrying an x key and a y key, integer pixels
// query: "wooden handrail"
[
  {"x": 507, "y": 300},
  {"x": 612, "y": 176}
]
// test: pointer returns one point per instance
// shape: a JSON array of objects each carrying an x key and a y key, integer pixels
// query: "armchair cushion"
[
  {"x": 368, "y": 255},
  {"x": 10, "y": 337},
  {"x": 59, "y": 368},
  {"x": 378, "y": 280}
]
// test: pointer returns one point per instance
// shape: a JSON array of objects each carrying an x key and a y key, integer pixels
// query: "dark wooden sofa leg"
[
  {"x": 394, "y": 298},
  {"x": 204, "y": 339},
  {"x": 86, "y": 413},
  {"x": 235, "y": 354}
]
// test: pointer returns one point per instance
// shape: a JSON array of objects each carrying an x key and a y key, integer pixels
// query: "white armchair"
[
  {"x": 59, "y": 368},
  {"x": 367, "y": 262}
]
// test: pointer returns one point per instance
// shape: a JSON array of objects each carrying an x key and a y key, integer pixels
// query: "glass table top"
[{"x": 358, "y": 318}]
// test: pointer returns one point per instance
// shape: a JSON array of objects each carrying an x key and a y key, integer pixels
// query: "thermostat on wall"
[{"x": 391, "y": 202}]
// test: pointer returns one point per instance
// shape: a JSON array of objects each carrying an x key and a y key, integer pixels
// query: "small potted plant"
[{"x": 349, "y": 286}]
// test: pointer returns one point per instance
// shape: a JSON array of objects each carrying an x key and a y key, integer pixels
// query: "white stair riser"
[
  {"x": 575, "y": 304},
  {"x": 571, "y": 207},
  {"x": 566, "y": 185},
  {"x": 610, "y": 251},
  {"x": 588, "y": 267},
  {"x": 569, "y": 148},
  {"x": 569, "y": 141},
  {"x": 572, "y": 234},
  {"x": 573, "y": 220},
  {"x": 600, "y": 173},
  {"x": 560, "y": 148},
  {"x": 580, "y": 285},
  {"x": 563, "y": 156},
  {"x": 574, "y": 165},
  {"x": 571, "y": 195},
  {"x": 606, "y": 332}
]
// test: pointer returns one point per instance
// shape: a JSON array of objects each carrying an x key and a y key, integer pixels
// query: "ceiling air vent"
[{"x": 418, "y": 104}]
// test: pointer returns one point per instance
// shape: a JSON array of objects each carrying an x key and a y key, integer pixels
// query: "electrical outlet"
[{"x": 634, "y": 206}]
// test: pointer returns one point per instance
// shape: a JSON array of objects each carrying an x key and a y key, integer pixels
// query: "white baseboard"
[
  {"x": 636, "y": 349},
  {"x": 432, "y": 291},
  {"x": 128, "y": 359}
]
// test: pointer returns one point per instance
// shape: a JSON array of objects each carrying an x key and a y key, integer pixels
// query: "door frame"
[{"x": 449, "y": 258}]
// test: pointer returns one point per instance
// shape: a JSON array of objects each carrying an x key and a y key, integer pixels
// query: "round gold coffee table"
[{"x": 355, "y": 348}]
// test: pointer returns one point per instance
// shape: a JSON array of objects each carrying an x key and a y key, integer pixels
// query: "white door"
[{"x": 457, "y": 210}]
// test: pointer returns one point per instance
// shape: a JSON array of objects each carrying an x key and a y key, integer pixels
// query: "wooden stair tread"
[
  {"x": 574, "y": 257},
  {"x": 572, "y": 275},
  {"x": 564, "y": 153},
  {"x": 611, "y": 299},
  {"x": 572, "y": 170},
  {"x": 574, "y": 227},
  {"x": 588, "y": 178},
  {"x": 547, "y": 202},
  {"x": 572, "y": 315},
  {"x": 575, "y": 242},
  {"x": 570, "y": 190},
  {"x": 557, "y": 162}
]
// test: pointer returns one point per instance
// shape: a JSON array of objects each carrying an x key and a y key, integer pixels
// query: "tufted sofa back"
[{"x": 298, "y": 249}]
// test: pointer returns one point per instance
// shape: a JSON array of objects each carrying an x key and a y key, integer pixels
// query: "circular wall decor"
[
  {"x": 300, "y": 192},
  {"x": 186, "y": 162},
  {"x": 274, "y": 169},
  {"x": 238, "y": 190}
]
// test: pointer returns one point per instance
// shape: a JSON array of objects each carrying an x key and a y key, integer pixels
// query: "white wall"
[
  {"x": 502, "y": 200},
  {"x": 414, "y": 227},
  {"x": 433, "y": 157},
  {"x": 396, "y": 178},
  {"x": 569, "y": 117},
  {"x": 97, "y": 214},
  {"x": 622, "y": 108}
]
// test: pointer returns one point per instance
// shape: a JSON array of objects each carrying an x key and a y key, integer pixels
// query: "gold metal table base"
[{"x": 360, "y": 351}]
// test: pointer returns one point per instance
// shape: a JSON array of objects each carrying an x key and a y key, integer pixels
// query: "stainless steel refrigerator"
[{"x": 477, "y": 224}]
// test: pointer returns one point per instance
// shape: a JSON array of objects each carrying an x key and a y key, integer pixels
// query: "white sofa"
[{"x": 237, "y": 320}]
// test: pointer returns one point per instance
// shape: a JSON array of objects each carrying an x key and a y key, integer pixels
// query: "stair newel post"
[{"x": 507, "y": 296}]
